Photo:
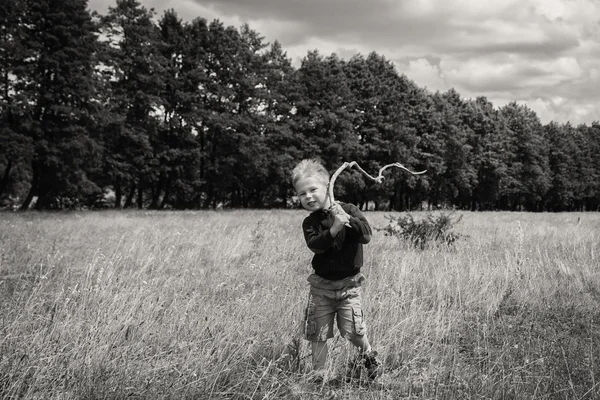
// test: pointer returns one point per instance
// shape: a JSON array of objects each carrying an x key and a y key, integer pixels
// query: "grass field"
[{"x": 208, "y": 305}]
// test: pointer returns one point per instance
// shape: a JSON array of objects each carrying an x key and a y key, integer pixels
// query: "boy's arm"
[
  {"x": 318, "y": 241},
  {"x": 359, "y": 223}
]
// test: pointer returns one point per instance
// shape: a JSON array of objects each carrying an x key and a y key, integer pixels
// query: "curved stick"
[{"x": 379, "y": 178}]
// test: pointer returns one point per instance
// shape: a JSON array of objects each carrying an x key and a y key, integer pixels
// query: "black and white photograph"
[{"x": 299, "y": 199}]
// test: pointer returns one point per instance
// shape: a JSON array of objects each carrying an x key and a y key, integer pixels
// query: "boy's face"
[{"x": 312, "y": 193}]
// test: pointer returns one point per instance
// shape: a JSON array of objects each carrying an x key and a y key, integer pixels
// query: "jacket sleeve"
[
  {"x": 317, "y": 240},
  {"x": 359, "y": 223}
]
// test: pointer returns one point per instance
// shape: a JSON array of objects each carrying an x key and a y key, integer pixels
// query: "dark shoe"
[
  {"x": 368, "y": 363},
  {"x": 372, "y": 364}
]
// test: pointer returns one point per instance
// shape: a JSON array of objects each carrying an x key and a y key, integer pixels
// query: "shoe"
[
  {"x": 372, "y": 364},
  {"x": 367, "y": 362}
]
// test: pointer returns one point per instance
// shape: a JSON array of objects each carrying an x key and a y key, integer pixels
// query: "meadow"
[{"x": 209, "y": 305}]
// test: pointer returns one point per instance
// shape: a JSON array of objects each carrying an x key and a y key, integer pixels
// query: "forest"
[{"x": 164, "y": 113}]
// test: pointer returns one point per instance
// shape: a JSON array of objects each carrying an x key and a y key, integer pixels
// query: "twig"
[{"x": 379, "y": 178}]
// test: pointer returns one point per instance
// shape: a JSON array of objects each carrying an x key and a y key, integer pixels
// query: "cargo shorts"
[{"x": 328, "y": 299}]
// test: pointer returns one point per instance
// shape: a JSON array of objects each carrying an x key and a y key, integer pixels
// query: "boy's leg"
[
  {"x": 352, "y": 326},
  {"x": 362, "y": 342},
  {"x": 350, "y": 319},
  {"x": 319, "y": 354},
  {"x": 320, "y": 314}
]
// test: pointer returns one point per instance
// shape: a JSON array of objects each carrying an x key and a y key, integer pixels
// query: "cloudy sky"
[{"x": 544, "y": 53}]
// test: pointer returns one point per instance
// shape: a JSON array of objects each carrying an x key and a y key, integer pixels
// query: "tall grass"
[{"x": 209, "y": 304}]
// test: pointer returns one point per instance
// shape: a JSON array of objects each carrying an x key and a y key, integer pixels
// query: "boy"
[{"x": 335, "y": 233}]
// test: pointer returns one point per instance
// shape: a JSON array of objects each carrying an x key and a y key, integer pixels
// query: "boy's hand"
[
  {"x": 337, "y": 209},
  {"x": 338, "y": 223}
]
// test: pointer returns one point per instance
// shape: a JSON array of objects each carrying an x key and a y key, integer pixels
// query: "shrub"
[{"x": 420, "y": 232}]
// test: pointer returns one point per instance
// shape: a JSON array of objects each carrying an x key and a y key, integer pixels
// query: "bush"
[{"x": 436, "y": 228}]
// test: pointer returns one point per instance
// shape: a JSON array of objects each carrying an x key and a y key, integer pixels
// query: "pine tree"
[
  {"x": 591, "y": 138},
  {"x": 386, "y": 128},
  {"x": 487, "y": 141},
  {"x": 528, "y": 172},
  {"x": 16, "y": 146},
  {"x": 233, "y": 154},
  {"x": 326, "y": 115},
  {"x": 460, "y": 176},
  {"x": 585, "y": 174},
  {"x": 561, "y": 163},
  {"x": 58, "y": 81},
  {"x": 134, "y": 67},
  {"x": 175, "y": 147},
  {"x": 252, "y": 164},
  {"x": 280, "y": 94}
]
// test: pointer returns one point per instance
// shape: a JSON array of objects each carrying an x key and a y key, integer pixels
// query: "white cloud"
[
  {"x": 425, "y": 74},
  {"x": 531, "y": 51},
  {"x": 510, "y": 72},
  {"x": 562, "y": 110}
]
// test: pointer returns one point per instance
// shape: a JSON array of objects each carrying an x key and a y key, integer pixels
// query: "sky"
[{"x": 542, "y": 53}]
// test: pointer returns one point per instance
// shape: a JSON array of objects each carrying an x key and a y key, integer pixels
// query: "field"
[{"x": 208, "y": 305}]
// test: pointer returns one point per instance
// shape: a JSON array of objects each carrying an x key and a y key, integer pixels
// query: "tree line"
[{"x": 171, "y": 114}]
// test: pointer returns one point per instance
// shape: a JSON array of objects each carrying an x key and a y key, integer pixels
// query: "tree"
[
  {"x": 279, "y": 141},
  {"x": 460, "y": 177},
  {"x": 326, "y": 114},
  {"x": 587, "y": 167},
  {"x": 134, "y": 66},
  {"x": 592, "y": 137},
  {"x": 227, "y": 102},
  {"x": 174, "y": 145},
  {"x": 57, "y": 81},
  {"x": 562, "y": 150},
  {"x": 188, "y": 176},
  {"x": 528, "y": 172},
  {"x": 489, "y": 157},
  {"x": 385, "y": 106},
  {"x": 252, "y": 164},
  {"x": 191, "y": 115},
  {"x": 16, "y": 146}
]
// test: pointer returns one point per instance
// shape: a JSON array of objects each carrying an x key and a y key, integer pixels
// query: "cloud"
[
  {"x": 532, "y": 51},
  {"x": 426, "y": 73},
  {"x": 509, "y": 72}
]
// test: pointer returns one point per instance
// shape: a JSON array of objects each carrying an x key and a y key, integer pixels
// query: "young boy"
[{"x": 336, "y": 234}]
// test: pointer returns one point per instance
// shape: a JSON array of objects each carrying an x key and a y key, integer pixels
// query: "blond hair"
[{"x": 310, "y": 168}]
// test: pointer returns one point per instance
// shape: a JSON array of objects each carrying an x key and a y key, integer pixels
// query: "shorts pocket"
[
  {"x": 310, "y": 325},
  {"x": 360, "y": 327},
  {"x": 310, "y": 328}
]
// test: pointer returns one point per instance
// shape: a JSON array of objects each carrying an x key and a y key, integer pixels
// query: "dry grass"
[{"x": 207, "y": 305}]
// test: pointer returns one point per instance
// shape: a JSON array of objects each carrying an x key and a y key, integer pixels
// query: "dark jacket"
[{"x": 340, "y": 256}]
